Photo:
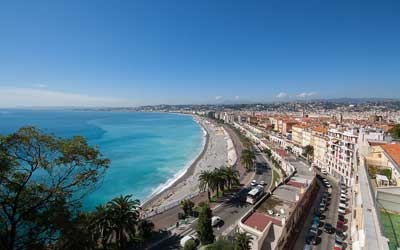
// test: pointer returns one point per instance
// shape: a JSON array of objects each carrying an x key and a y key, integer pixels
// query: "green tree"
[
  {"x": 268, "y": 152},
  {"x": 123, "y": 215},
  {"x": 190, "y": 245},
  {"x": 144, "y": 229},
  {"x": 247, "y": 158},
  {"x": 43, "y": 179},
  {"x": 221, "y": 244},
  {"x": 204, "y": 228},
  {"x": 395, "y": 131},
  {"x": 187, "y": 207},
  {"x": 231, "y": 176},
  {"x": 206, "y": 182},
  {"x": 308, "y": 151},
  {"x": 242, "y": 241}
]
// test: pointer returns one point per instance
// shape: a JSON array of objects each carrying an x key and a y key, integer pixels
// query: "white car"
[
  {"x": 253, "y": 182},
  {"x": 342, "y": 210},
  {"x": 187, "y": 238},
  {"x": 215, "y": 221},
  {"x": 341, "y": 205},
  {"x": 262, "y": 183}
]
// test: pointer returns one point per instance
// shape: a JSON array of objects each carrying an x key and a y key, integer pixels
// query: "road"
[
  {"x": 325, "y": 241},
  {"x": 231, "y": 210}
]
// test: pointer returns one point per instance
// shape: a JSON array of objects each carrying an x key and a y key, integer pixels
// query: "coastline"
[{"x": 186, "y": 172}]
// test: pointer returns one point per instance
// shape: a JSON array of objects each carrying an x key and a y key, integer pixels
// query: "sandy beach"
[{"x": 218, "y": 151}]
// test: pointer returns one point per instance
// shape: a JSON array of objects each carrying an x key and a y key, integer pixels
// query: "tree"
[
  {"x": 308, "y": 151},
  {"x": 206, "y": 179},
  {"x": 43, "y": 179},
  {"x": 221, "y": 244},
  {"x": 231, "y": 176},
  {"x": 247, "y": 159},
  {"x": 268, "y": 152},
  {"x": 123, "y": 215},
  {"x": 204, "y": 227},
  {"x": 395, "y": 131},
  {"x": 144, "y": 229},
  {"x": 242, "y": 241},
  {"x": 190, "y": 245},
  {"x": 187, "y": 207}
]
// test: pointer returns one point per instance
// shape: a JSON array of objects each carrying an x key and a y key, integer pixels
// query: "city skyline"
[{"x": 183, "y": 52}]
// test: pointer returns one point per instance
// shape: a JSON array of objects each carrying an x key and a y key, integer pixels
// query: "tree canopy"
[{"x": 43, "y": 178}]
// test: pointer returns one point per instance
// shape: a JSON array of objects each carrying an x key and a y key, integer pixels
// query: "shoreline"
[{"x": 186, "y": 173}]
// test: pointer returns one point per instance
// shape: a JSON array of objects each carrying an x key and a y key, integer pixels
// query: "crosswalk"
[{"x": 189, "y": 231}]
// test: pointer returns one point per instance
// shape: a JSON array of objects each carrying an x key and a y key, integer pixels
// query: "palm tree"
[
  {"x": 242, "y": 241},
  {"x": 144, "y": 228},
  {"x": 187, "y": 207},
  {"x": 102, "y": 224},
  {"x": 206, "y": 182},
  {"x": 124, "y": 215},
  {"x": 248, "y": 157},
  {"x": 231, "y": 176},
  {"x": 219, "y": 180}
]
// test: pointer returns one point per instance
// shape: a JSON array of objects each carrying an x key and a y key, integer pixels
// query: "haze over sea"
[{"x": 146, "y": 149}]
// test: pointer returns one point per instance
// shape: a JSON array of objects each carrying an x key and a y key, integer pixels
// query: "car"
[
  {"x": 339, "y": 227},
  {"x": 311, "y": 239},
  {"x": 328, "y": 228},
  {"x": 343, "y": 206},
  {"x": 343, "y": 200},
  {"x": 337, "y": 248},
  {"x": 215, "y": 221},
  {"x": 253, "y": 182},
  {"x": 307, "y": 247},
  {"x": 341, "y": 217},
  {"x": 262, "y": 183},
  {"x": 313, "y": 230},
  {"x": 188, "y": 238},
  {"x": 342, "y": 211},
  {"x": 341, "y": 234}
]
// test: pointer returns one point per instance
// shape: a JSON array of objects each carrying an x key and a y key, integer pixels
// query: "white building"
[{"x": 341, "y": 155}]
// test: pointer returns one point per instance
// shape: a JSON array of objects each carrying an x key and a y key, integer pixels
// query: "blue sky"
[{"x": 150, "y": 52}]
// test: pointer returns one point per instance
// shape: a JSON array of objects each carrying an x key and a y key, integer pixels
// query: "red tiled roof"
[
  {"x": 393, "y": 150},
  {"x": 296, "y": 184},
  {"x": 260, "y": 221}
]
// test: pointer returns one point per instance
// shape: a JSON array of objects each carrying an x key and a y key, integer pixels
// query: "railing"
[{"x": 164, "y": 208}]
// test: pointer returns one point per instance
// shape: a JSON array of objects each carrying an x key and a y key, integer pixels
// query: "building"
[
  {"x": 341, "y": 156},
  {"x": 391, "y": 159}
]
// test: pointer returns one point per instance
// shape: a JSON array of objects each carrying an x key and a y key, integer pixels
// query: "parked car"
[
  {"x": 341, "y": 234},
  {"x": 313, "y": 230},
  {"x": 341, "y": 210},
  {"x": 307, "y": 247},
  {"x": 311, "y": 239},
  {"x": 328, "y": 228},
  {"x": 188, "y": 238},
  {"x": 253, "y": 182},
  {"x": 262, "y": 183},
  {"x": 343, "y": 206},
  {"x": 215, "y": 221}
]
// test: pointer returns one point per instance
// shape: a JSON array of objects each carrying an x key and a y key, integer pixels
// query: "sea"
[{"x": 148, "y": 151}]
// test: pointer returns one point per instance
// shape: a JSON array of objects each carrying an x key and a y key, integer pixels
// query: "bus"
[{"x": 255, "y": 194}]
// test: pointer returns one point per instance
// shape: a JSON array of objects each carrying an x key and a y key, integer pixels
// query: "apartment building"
[
  {"x": 320, "y": 145},
  {"x": 297, "y": 134},
  {"x": 341, "y": 155}
]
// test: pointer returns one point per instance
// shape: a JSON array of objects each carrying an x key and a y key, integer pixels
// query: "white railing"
[{"x": 164, "y": 208}]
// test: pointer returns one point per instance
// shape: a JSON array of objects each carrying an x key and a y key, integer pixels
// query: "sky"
[{"x": 117, "y": 53}]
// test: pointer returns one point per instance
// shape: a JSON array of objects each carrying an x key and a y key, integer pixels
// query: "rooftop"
[
  {"x": 393, "y": 150},
  {"x": 260, "y": 221}
]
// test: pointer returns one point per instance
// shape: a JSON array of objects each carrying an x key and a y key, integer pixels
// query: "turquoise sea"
[{"x": 147, "y": 150}]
